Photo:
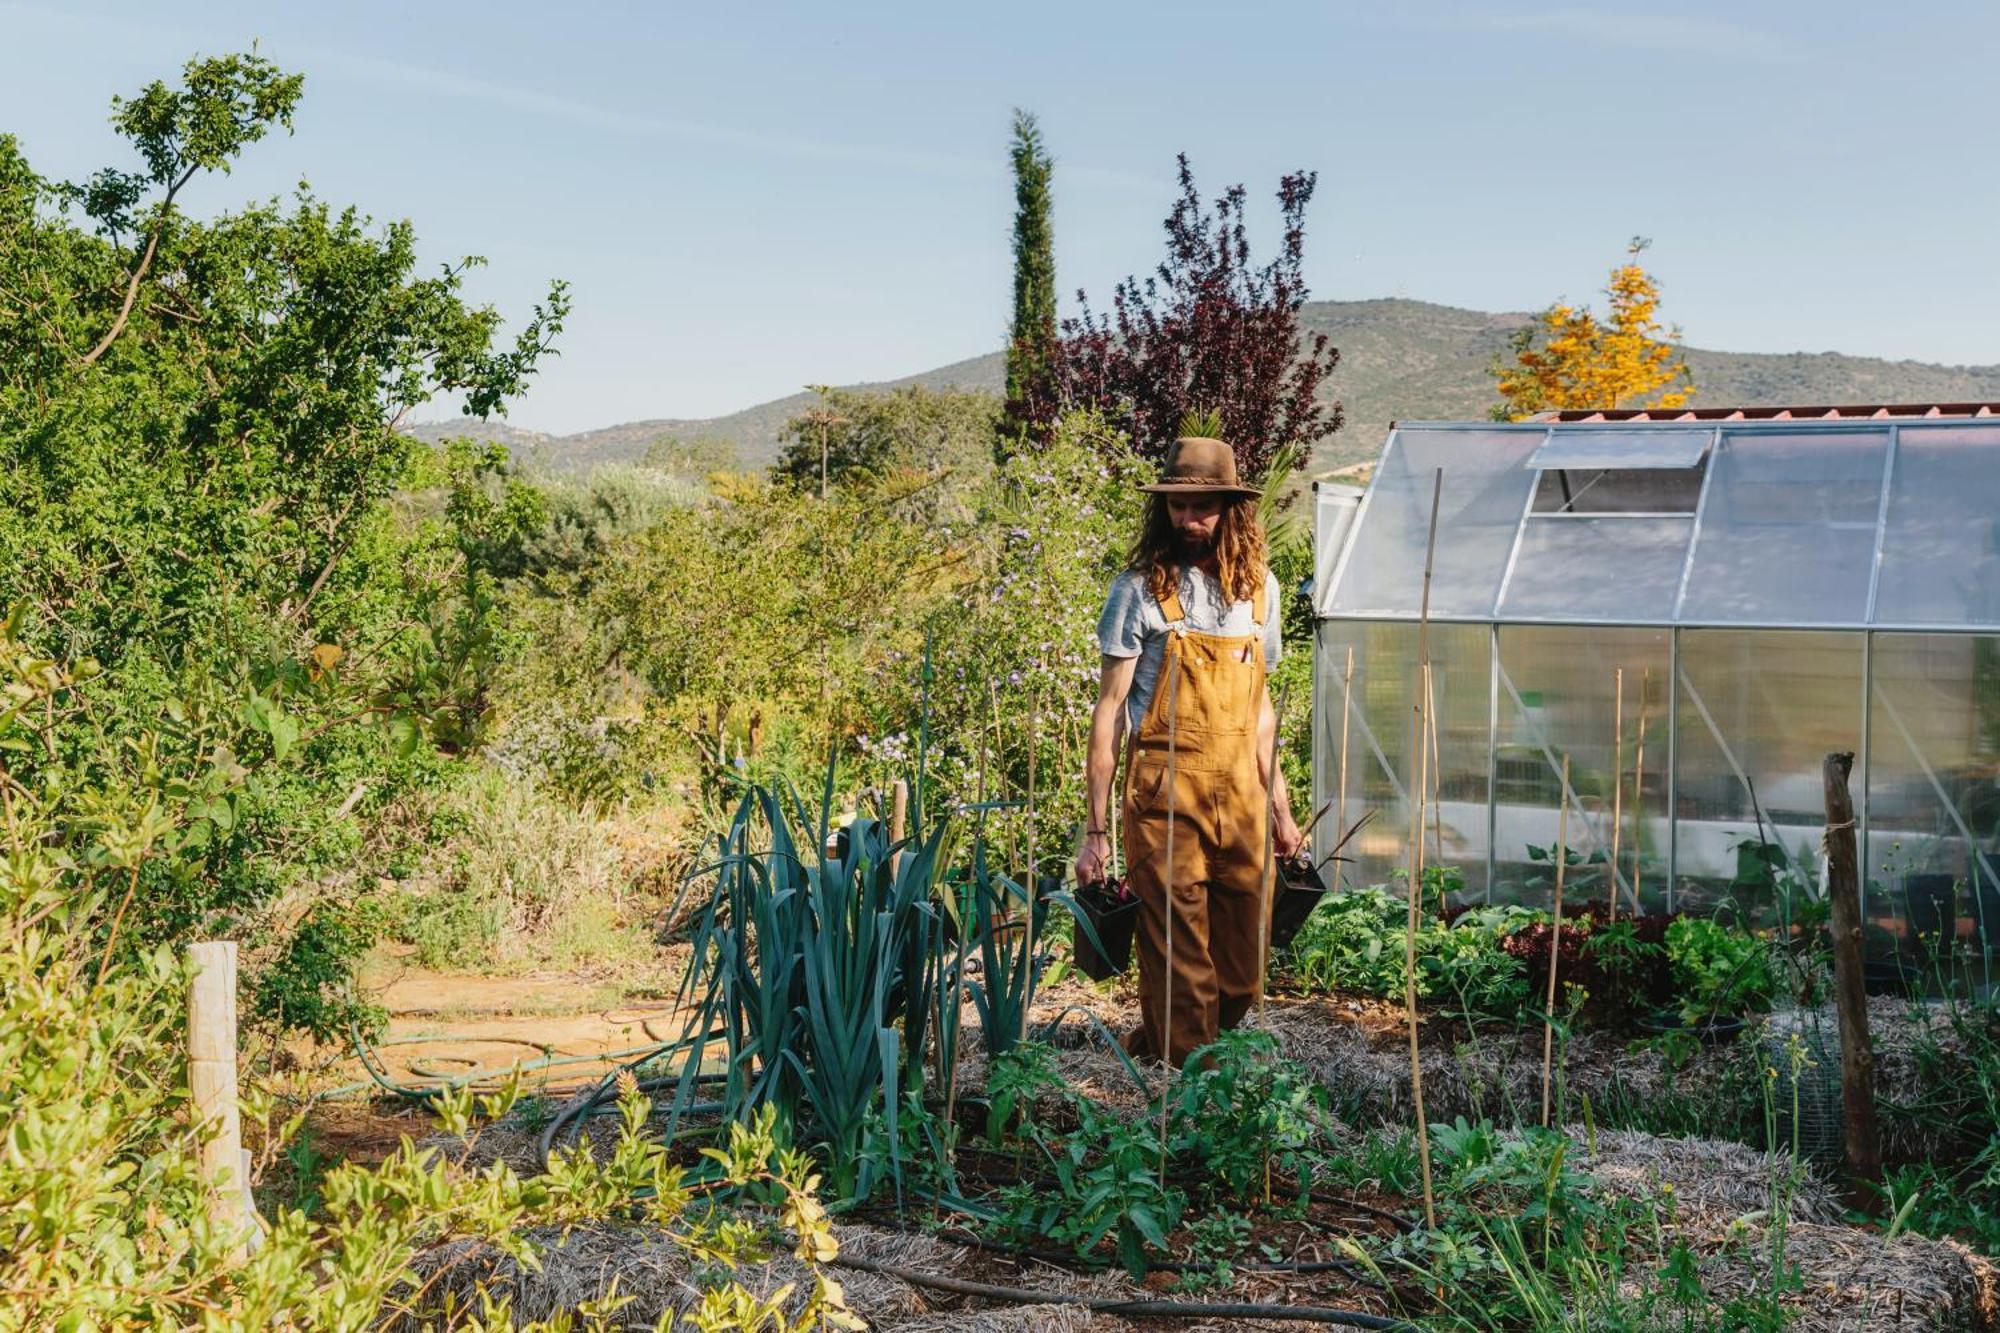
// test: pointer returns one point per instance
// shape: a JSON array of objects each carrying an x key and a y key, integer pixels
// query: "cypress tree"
[{"x": 1031, "y": 342}]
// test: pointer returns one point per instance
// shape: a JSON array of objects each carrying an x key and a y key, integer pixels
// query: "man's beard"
[{"x": 1193, "y": 550}]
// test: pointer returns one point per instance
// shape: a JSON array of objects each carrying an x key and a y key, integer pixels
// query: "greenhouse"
[{"x": 1690, "y": 610}]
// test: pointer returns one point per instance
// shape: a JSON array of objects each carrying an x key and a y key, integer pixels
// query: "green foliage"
[
  {"x": 1031, "y": 335},
  {"x": 197, "y": 455},
  {"x": 1017, "y": 655},
  {"x": 1105, "y": 1179},
  {"x": 1238, "y": 1110},
  {"x": 824, "y": 974},
  {"x": 1718, "y": 971},
  {"x": 1355, "y": 942},
  {"x": 104, "y": 1211},
  {"x": 1241, "y": 1110},
  {"x": 942, "y": 437}
]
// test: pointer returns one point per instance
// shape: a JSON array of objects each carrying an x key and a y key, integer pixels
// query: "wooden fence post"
[
  {"x": 211, "y": 1038},
  {"x": 899, "y": 818},
  {"x": 1857, "y": 1054}
]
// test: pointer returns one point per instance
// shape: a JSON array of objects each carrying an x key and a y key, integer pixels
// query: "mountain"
[{"x": 1399, "y": 361}]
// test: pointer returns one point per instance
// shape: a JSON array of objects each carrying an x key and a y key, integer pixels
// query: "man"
[{"x": 1189, "y": 632}]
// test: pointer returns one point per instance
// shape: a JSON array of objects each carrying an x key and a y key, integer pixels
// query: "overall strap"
[
  {"x": 1259, "y": 606},
  {"x": 1170, "y": 605}
]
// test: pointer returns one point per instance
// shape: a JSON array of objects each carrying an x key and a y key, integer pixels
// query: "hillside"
[{"x": 1400, "y": 360}]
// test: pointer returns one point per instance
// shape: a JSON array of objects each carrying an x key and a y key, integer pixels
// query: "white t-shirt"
[{"x": 1132, "y": 625}]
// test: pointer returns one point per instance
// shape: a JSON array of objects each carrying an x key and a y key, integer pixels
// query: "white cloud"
[{"x": 641, "y": 124}]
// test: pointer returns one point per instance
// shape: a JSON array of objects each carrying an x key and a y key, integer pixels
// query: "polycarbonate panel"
[
  {"x": 1622, "y": 449},
  {"x": 1759, "y": 711},
  {"x": 1485, "y": 489},
  {"x": 1941, "y": 546},
  {"x": 1787, "y": 533},
  {"x": 1597, "y": 568},
  {"x": 1934, "y": 793},
  {"x": 1559, "y": 689},
  {"x": 1380, "y": 725}
]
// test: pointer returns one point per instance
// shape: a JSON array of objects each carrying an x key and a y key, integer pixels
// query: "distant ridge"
[{"x": 1399, "y": 361}]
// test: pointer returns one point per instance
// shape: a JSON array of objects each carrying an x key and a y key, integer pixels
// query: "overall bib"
[{"x": 1215, "y": 887}]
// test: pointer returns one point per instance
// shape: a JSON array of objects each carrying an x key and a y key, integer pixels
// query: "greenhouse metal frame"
[{"x": 1760, "y": 592}]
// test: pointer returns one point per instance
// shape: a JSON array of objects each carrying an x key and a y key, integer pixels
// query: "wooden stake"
[
  {"x": 1555, "y": 946},
  {"x": 211, "y": 1039},
  {"x": 1617, "y": 783},
  {"x": 1416, "y": 889},
  {"x": 1857, "y": 1053}
]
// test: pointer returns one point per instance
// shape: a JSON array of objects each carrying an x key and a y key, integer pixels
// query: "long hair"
[{"x": 1239, "y": 550}]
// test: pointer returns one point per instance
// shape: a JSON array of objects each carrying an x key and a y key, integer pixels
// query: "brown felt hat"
[{"x": 1197, "y": 465}]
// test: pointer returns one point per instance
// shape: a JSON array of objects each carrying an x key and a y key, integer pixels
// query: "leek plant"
[
  {"x": 819, "y": 975},
  {"x": 825, "y": 970}
]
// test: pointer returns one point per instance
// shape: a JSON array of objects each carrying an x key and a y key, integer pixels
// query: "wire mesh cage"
[{"x": 1802, "y": 1052}]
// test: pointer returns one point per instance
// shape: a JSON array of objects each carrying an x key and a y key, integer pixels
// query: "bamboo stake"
[
  {"x": 1167, "y": 1008},
  {"x": 1639, "y": 795},
  {"x": 1617, "y": 784},
  {"x": 1415, "y": 894},
  {"x": 1346, "y": 709},
  {"x": 1270, "y": 851},
  {"x": 966, "y": 906},
  {"x": 1437, "y": 765},
  {"x": 1430, "y": 776},
  {"x": 1555, "y": 943},
  {"x": 1269, "y": 881},
  {"x": 1028, "y": 957}
]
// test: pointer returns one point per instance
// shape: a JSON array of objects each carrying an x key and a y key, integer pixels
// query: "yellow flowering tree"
[{"x": 1571, "y": 358}]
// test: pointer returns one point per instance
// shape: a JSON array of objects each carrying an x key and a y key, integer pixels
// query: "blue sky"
[{"x": 747, "y": 198}]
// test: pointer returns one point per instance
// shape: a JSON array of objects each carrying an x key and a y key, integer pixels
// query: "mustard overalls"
[{"x": 1204, "y": 707}]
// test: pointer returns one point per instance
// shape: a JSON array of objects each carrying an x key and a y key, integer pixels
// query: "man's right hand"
[{"x": 1093, "y": 859}]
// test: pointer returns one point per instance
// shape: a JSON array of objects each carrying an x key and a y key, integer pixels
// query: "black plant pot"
[
  {"x": 1891, "y": 976},
  {"x": 1113, "y": 918},
  {"x": 1300, "y": 889},
  {"x": 1931, "y": 903}
]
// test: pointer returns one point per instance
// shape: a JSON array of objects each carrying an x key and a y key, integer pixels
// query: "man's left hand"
[{"x": 1285, "y": 836}]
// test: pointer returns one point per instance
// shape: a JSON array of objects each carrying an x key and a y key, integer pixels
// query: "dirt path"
[{"x": 574, "y": 1026}]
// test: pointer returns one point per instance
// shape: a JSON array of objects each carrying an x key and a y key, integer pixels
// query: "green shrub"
[{"x": 104, "y": 1211}]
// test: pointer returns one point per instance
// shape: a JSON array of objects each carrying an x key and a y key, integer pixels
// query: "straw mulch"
[
  {"x": 585, "y": 1263},
  {"x": 1852, "y": 1281}
]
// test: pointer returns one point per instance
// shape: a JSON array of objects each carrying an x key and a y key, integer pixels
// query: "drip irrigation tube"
[
  {"x": 368, "y": 1053},
  {"x": 1069, "y": 1258},
  {"x": 1319, "y": 1314}
]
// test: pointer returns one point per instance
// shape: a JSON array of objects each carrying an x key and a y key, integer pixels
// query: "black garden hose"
[{"x": 1319, "y": 1314}]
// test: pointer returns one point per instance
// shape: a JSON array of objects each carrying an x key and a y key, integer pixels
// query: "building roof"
[{"x": 1843, "y": 412}]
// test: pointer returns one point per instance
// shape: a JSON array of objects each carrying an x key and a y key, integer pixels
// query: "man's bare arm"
[{"x": 1107, "y": 729}]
